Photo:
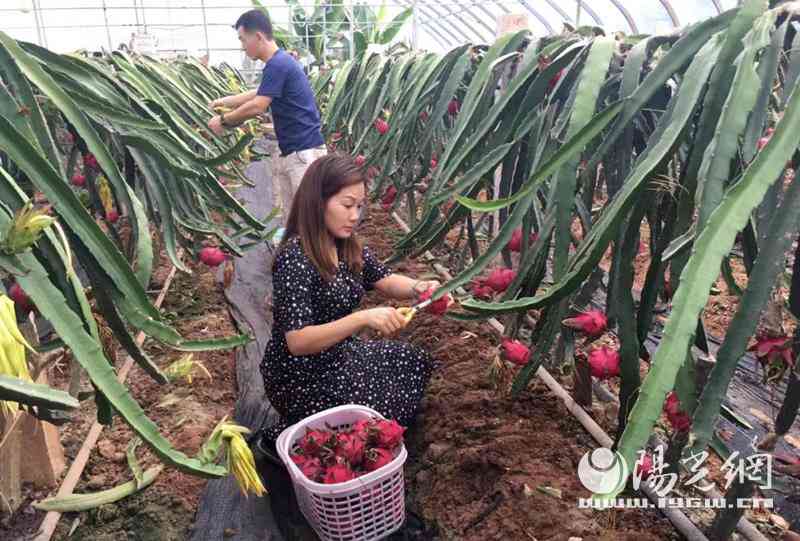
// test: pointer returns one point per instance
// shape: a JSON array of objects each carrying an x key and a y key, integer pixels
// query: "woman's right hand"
[{"x": 385, "y": 319}]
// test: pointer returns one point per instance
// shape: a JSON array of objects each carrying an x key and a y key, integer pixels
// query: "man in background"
[{"x": 285, "y": 89}]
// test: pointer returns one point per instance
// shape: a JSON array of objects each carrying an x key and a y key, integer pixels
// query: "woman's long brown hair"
[{"x": 322, "y": 180}]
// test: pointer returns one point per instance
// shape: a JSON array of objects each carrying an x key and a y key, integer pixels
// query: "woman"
[{"x": 320, "y": 273}]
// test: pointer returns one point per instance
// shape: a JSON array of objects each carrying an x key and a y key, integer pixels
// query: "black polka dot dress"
[{"x": 387, "y": 375}]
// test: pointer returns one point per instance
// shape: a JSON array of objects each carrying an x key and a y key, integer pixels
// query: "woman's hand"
[{"x": 385, "y": 319}]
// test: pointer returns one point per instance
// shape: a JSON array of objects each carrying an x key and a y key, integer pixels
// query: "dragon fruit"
[
  {"x": 592, "y": 323},
  {"x": 515, "y": 244},
  {"x": 769, "y": 349},
  {"x": 453, "y": 107},
  {"x": 551, "y": 84},
  {"x": 678, "y": 419},
  {"x": 604, "y": 362},
  {"x": 481, "y": 290},
  {"x": 78, "y": 180},
  {"x": 644, "y": 466},
  {"x": 515, "y": 351},
  {"x": 388, "y": 197},
  {"x": 212, "y": 256},
  {"x": 21, "y": 300},
  {"x": 389, "y": 433},
  {"x": 112, "y": 216},
  {"x": 314, "y": 441},
  {"x": 499, "y": 279},
  {"x": 350, "y": 447},
  {"x": 90, "y": 161},
  {"x": 312, "y": 468},
  {"x": 377, "y": 457},
  {"x": 437, "y": 307},
  {"x": 338, "y": 473},
  {"x": 762, "y": 142},
  {"x": 363, "y": 428},
  {"x": 382, "y": 126},
  {"x": 360, "y": 160}
]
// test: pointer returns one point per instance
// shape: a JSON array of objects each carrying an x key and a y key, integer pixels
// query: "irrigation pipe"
[
  {"x": 675, "y": 516},
  {"x": 50, "y": 521}
]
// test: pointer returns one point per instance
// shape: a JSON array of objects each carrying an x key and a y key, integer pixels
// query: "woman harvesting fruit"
[{"x": 320, "y": 273}]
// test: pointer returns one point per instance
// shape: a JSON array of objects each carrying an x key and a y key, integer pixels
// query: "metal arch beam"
[
  {"x": 433, "y": 33},
  {"x": 628, "y": 16},
  {"x": 446, "y": 45},
  {"x": 717, "y": 5},
  {"x": 455, "y": 14},
  {"x": 558, "y": 10},
  {"x": 467, "y": 8},
  {"x": 438, "y": 20},
  {"x": 590, "y": 11},
  {"x": 538, "y": 16},
  {"x": 434, "y": 20},
  {"x": 671, "y": 12}
]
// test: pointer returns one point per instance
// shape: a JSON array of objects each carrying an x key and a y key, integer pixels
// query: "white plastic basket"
[{"x": 369, "y": 507}]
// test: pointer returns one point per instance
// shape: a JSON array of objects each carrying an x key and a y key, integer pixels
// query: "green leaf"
[
  {"x": 34, "y": 394},
  {"x": 702, "y": 269},
  {"x": 594, "y": 244},
  {"x": 573, "y": 147}
]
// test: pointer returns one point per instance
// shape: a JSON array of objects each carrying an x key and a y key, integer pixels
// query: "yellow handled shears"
[{"x": 408, "y": 311}]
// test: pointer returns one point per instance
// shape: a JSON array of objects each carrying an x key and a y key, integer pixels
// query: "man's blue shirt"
[{"x": 294, "y": 110}]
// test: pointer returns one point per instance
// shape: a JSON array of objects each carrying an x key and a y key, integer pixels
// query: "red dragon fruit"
[
  {"x": 592, "y": 323},
  {"x": 515, "y": 351},
  {"x": 90, "y": 161},
  {"x": 453, "y": 107},
  {"x": 604, "y": 362},
  {"x": 389, "y": 433},
  {"x": 499, "y": 279},
  {"x": 515, "y": 244},
  {"x": 434, "y": 163},
  {"x": 362, "y": 428},
  {"x": 644, "y": 466},
  {"x": 382, "y": 126},
  {"x": 377, "y": 457},
  {"x": 551, "y": 84},
  {"x": 769, "y": 349},
  {"x": 350, "y": 447},
  {"x": 312, "y": 468},
  {"x": 212, "y": 256},
  {"x": 388, "y": 197},
  {"x": 762, "y": 142},
  {"x": 314, "y": 441},
  {"x": 21, "y": 300},
  {"x": 78, "y": 180},
  {"x": 338, "y": 473},
  {"x": 112, "y": 216},
  {"x": 481, "y": 290},
  {"x": 678, "y": 419},
  {"x": 360, "y": 160},
  {"x": 437, "y": 307}
]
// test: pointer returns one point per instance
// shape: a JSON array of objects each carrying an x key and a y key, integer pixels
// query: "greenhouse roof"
[{"x": 199, "y": 26}]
